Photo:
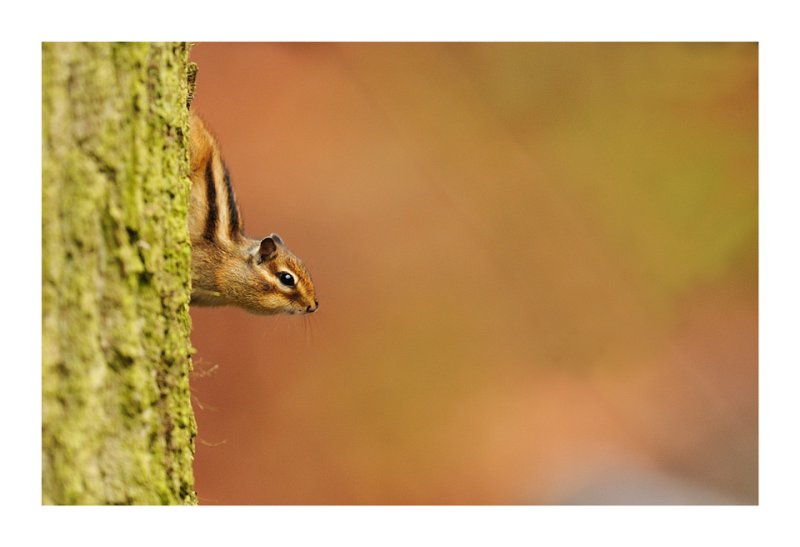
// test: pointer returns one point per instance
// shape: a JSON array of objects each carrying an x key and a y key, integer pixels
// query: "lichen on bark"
[{"x": 117, "y": 423}]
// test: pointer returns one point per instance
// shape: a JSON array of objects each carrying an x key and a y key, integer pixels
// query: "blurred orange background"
[{"x": 536, "y": 267}]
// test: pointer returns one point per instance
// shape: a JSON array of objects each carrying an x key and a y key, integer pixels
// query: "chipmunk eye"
[{"x": 286, "y": 278}]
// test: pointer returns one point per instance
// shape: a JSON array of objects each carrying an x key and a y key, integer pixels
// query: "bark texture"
[{"x": 117, "y": 423}]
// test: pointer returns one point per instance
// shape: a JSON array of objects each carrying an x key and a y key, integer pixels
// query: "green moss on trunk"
[{"x": 117, "y": 423}]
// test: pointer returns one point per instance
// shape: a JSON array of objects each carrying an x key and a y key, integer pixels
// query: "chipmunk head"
[{"x": 285, "y": 284}]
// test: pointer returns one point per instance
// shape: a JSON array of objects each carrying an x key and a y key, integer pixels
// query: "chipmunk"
[{"x": 229, "y": 268}]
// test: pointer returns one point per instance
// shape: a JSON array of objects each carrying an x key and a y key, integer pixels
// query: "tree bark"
[{"x": 117, "y": 422}]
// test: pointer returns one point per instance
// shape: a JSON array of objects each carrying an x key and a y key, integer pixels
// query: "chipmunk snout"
[{"x": 312, "y": 309}]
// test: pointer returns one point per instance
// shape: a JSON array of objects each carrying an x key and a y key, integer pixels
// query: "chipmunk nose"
[{"x": 311, "y": 309}]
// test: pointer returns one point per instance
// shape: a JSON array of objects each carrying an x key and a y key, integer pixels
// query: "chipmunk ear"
[
  {"x": 276, "y": 238},
  {"x": 268, "y": 248}
]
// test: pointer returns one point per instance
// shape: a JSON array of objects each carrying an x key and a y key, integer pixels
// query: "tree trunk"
[{"x": 117, "y": 422}]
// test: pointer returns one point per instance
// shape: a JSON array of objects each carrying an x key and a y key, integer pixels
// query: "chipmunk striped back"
[{"x": 211, "y": 190}]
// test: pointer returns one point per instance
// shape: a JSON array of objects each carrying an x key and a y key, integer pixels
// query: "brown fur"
[{"x": 227, "y": 267}]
